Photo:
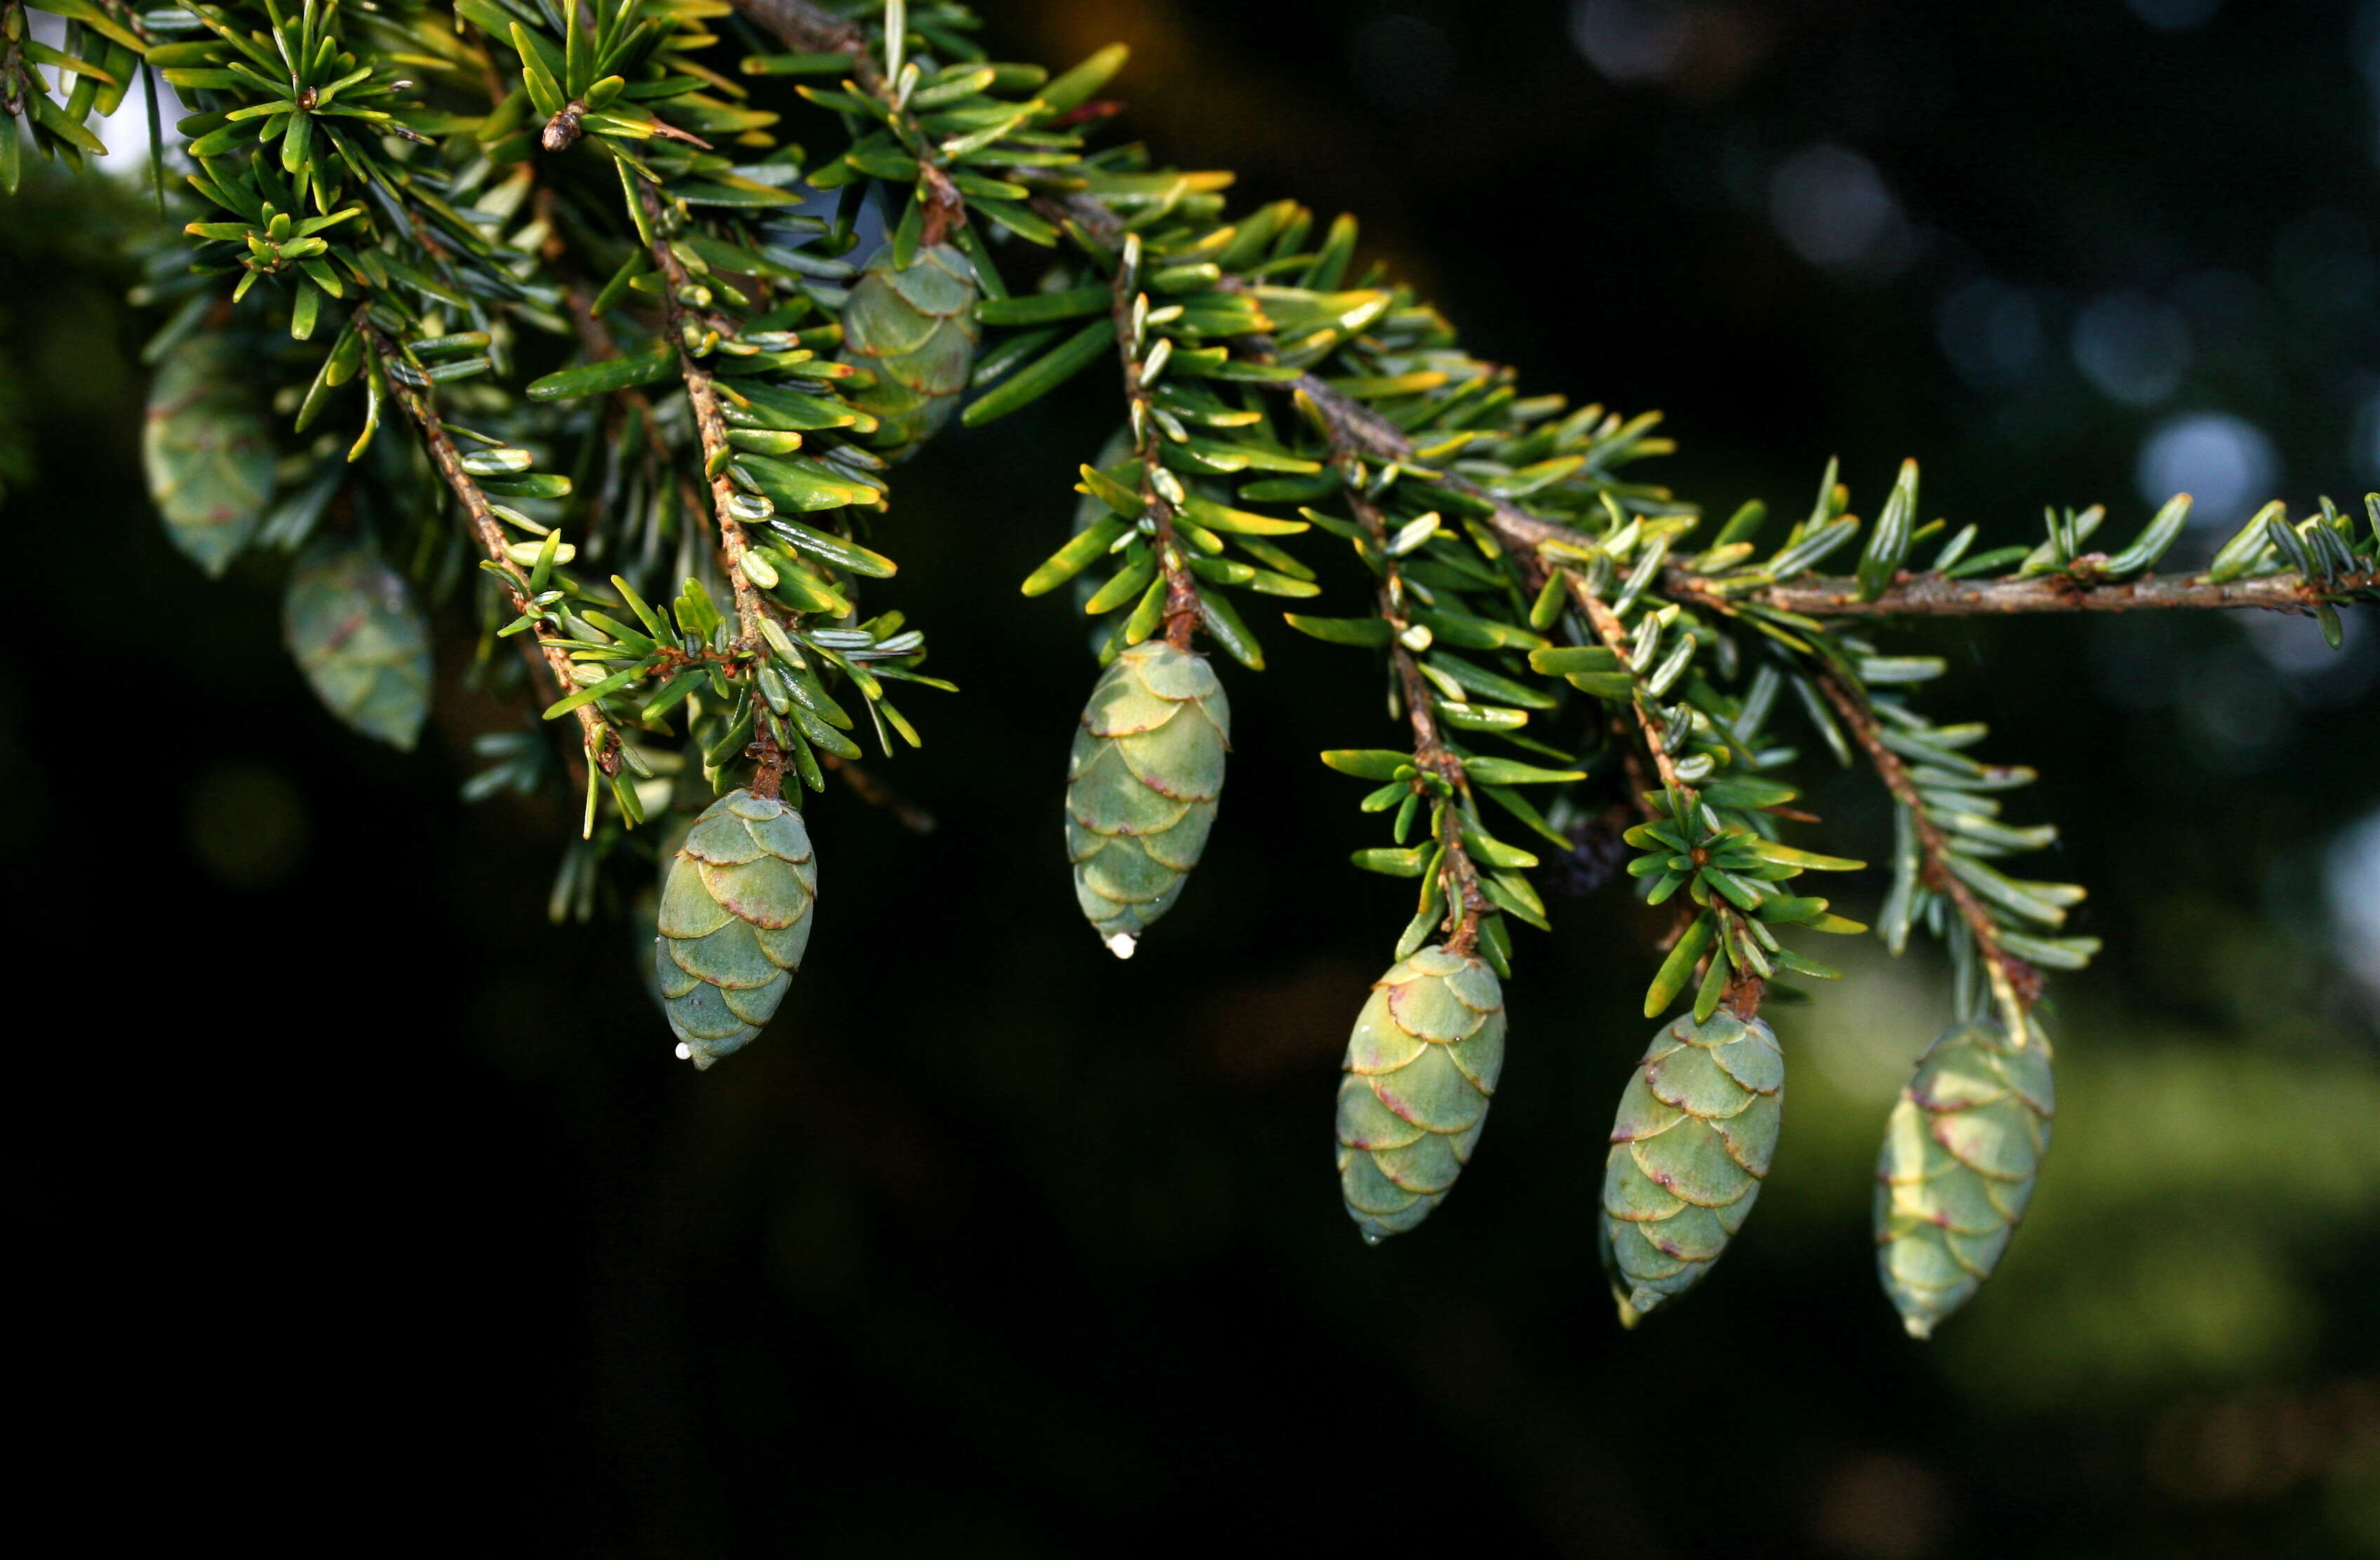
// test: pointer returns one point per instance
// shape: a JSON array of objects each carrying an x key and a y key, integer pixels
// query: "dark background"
[{"x": 361, "y": 1201}]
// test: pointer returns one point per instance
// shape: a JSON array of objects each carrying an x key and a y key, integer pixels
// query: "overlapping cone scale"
[
  {"x": 1421, "y": 1067},
  {"x": 1961, "y": 1152},
  {"x": 1696, "y": 1133},
  {"x": 914, "y": 327},
  {"x": 1142, "y": 784},
  {"x": 734, "y": 919}
]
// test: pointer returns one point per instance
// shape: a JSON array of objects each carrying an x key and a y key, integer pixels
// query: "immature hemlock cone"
[
  {"x": 735, "y": 917},
  {"x": 1420, "y": 1068},
  {"x": 360, "y": 637},
  {"x": 915, "y": 330},
  {"x": 207, "y": 448},
  {"x": 1961, "y": 1155},
  {"x": 1698, "y": 1128},
  {"x": 1141, "y": 786}
]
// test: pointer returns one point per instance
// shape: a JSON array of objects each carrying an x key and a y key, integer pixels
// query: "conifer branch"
[
  {"x": 1745, "y": 988},
  {"x": 2015, "y": 983},
  {"x": 1458, "y": 488},
  {"x": 1180, "y": 611},
  {"x": 810, "y": 29},
  {"x": 601, "y": 744},
  {"x": 1354, "y": 427},
  {"x": 1466, "y": 902},
  {"x": 1613, "y": 635},
  {"x": 595, "y": 338},
  {"x": 1934, "y": 596},
  {"x": 703, "y": 396},
  {"x": 1359, "y": 427}
]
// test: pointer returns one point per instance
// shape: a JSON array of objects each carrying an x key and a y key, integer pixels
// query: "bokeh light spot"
[
  {"x": 1991, "y": 331},
  {"x": 247, "y": 825},
  {"x": 2351, "y": 878},
  {"x": 2225, "y": 464},
  {"x": 1629, "y": 39},
  {"x": 2132, "y": 348},
  {"x": 1833, "y": 207}
]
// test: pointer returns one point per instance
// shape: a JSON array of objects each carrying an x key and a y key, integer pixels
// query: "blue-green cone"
[
  {"x": 207, "y": 449},
  {"x": 1420, "y": 1068},
  {"x": 1141, "y": 786},
  {"x": 1961, "y": 1152},
  {"x": 735, "y": 917},
  {"x": 356, "y": 633},
  {"x": 1696, "y": 1131},
  {"x": 915, "y": 329}
]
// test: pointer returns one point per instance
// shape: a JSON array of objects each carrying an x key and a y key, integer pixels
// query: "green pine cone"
[
  {"x": 735, "y": 917},
  {"x": 916, "y": 330},
  {"x": 1421, "y": 1067},
  {"x": 1698, "y": 1128},
  {"x": 1960, "y": 1155},
  {"x": 360, "y": 637},
  {"x": 1141, "y": 786},
  {"x": 207, "y": 449}
]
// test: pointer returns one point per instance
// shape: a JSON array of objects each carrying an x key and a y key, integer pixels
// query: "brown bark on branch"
[
  {"x": 1909, "y": 596},
  {"x": 1181, "y": 614},
  {"x": 1933, "y": 596}
]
